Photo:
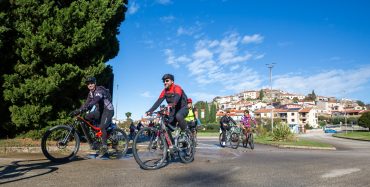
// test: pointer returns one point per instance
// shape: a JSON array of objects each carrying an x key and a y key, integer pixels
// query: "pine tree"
[{"x": 51, "y": 47}]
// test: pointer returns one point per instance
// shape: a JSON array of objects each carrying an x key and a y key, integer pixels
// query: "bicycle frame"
[{"x": 84, "y": 124}]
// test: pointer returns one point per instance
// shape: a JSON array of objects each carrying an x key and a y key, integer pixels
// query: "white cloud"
[
  {"x": 255, "y": 38},
  {"x": 284, "y": 44},
  {"x": 133, "y": 8},
  {"x": 220, "y": 62},
  {"x": 190, "y": 31},
  {"x": 175, "y": 61},
  {"x": 201, "y": 96},
  {"x": 330, "y": 83},
  {"x": 164, "y": 2},
  {"x": 147, "y": 94},
  {"x": 257, "y": 57},
  {"x": 167, "y": 19}
]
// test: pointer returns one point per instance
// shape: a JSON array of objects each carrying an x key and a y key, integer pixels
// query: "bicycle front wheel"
[
  {"x": 251, "y": 141},
  {"x": 186, "y": 149},
  {"x": 234, "y": 140},
  {"x": 149, "y": 148},
  {"x": 119, "y": 142},
  {"x": 60, "y": 143}
]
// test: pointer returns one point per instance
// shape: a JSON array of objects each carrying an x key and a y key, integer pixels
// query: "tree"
[
  {"x": 128, "y": 114},
  {"x": 360, "y": 103},
  {"x": 50, "y": 46},
  {"x": 311, "y": 97},
  {"x": 206, "y": 113},
  {"x": 295, "y": 99},
  {"x": 6, "y": 66},
  {"x": 364, "y": 120},
  {"x": 212, "y": 113},
  {"x": 261, "y": 95}
]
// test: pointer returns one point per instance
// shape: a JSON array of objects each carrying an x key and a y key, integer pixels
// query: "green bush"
[
  {"x": 262, "y": 131},
  {"x": 308, "y": 126},
  {"x": 364, "y": 120},
  {"x": 34, "y": 134},
  {"x": 322, "y": 124},
  {"x": 282, "y": 133}
]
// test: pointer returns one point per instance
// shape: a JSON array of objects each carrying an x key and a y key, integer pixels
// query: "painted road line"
[{"x": 340, "y": 172}]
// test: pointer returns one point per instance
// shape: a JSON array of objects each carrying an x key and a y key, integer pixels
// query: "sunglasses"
[{"x": 167, "y": 80}]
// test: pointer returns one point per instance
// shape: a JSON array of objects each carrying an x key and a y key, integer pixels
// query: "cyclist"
[
  {"x": 175, "y": 98},
  {"x": 246, "y": 123},
  {"x": 100, "y": 98},
  {"x": 225, "y": 125},
  {"x": 191, "y": 118},
  {"x": 132, "y": 131}
]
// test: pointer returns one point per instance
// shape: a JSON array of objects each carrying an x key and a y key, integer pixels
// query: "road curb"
[
  {"x": 8, "y": 150},
  {"x": 351, "y": 138},
  {"x": 306, "y": 147}
]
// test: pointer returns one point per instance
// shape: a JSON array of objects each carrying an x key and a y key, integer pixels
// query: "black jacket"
[{"x": 226, "y": 120}]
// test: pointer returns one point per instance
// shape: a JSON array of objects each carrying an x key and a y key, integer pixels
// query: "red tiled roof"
[{"x": 305, "y": 110}]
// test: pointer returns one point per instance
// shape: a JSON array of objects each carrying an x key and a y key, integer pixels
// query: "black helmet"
[
  {"x": 168, "y": 76},
  {"x": 90, "y": 79}
]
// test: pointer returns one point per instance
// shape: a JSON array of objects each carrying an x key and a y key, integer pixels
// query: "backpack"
[{"x": 106, "y": 93}]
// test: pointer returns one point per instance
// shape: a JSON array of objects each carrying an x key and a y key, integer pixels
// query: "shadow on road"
[
  {"x": 25, "y": 169},
  {"x": 207, "y": 178}
]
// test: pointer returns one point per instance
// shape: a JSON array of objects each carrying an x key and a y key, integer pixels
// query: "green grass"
[
  {"x": 213, "y": 134},
  {"x": 19, "y": 142},
  {"x": 354, "y": 135},
  {"x": 299, "y": 142}
]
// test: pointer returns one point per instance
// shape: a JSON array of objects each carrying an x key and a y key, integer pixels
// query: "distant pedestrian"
[{"x": 132, "y": 131}]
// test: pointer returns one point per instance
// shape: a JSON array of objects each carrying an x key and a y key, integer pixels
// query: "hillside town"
[{"x": 293, "y": 109}]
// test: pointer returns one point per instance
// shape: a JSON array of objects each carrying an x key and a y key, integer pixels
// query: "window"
[
  {"x": 292, "y": 114},
  {"x": 292, "y": 120}
]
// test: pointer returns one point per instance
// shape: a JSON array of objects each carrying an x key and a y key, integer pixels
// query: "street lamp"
[
  {"x": 270, "y": 66},
  {"x": 117, "y": 104}
]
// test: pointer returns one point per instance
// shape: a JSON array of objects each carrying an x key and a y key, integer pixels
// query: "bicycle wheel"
[
  {"x": 220, "y": 140},
  {"x": 234, "y": 140},
  {"x": 118, "y": 139},
  {"x": 149, "y": 148},
  {"x": 186, "y": 149},
  {"x": 251, "y": 141},
  {"x": 60, "y": 143}
]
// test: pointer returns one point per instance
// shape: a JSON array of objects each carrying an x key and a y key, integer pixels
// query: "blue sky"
[{"x": 221, "y": 47}]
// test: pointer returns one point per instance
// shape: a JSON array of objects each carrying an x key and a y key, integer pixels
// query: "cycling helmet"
[
  {"x": 168, "y": 76},
  {"x": 190, "y": 100},
  {"x": 90, "y": 79}
]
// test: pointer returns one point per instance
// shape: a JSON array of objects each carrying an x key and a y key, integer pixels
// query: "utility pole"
[{"x": 270, "y": 66}]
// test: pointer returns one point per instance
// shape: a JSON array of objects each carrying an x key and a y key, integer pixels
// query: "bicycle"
[
  {"x": 155, "y": 145},
  {"x": 232, "y": 137},
  {"x": 249, "y": 140},
  {"x": 62, "y": 142}
]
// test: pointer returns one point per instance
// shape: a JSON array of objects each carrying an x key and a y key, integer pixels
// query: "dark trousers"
[
  {"x": 224, "y": 129},
  {"x": 104, "y": 120},
  {"x": 179, "y": 117}
]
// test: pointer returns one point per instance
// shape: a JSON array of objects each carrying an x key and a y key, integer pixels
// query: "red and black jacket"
[{"x": 174, "y": 96}]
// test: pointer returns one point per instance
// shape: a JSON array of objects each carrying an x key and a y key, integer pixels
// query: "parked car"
[{"x": 327, "y": 130}]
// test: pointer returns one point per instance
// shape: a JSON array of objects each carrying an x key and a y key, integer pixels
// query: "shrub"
[
  {"x": 364, "y": 120},
  {"x": 262, "y": 131},
  {"x": 282, "y": 133},
  {"x": 34, "y": 134},
  {"x": 308, "y": 126}
]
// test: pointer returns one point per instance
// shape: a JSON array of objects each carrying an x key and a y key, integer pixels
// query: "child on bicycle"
[
  {"x": 225, "y": 123},
  {"x": 246, "y": 123}
]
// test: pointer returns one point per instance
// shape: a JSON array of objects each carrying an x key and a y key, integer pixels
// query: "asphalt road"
[{"x": 349, "y": 165}]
